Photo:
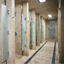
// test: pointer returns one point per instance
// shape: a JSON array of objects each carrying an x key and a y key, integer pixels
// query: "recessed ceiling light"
[
  {"x": 41, "y": 1},
  {"x": 49, "y": 16}
]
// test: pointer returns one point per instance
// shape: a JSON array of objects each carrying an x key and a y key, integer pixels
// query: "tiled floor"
[{"x": 44, "y": 56}]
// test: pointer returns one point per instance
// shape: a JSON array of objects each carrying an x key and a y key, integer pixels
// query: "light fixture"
[
  {"x": 49, "y": 15},
  {"x": 41, "y": 1}
]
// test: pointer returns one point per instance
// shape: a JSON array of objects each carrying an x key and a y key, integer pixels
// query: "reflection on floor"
[{"x": 44, "y": 56}]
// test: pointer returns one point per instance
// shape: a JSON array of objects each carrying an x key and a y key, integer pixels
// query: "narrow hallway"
[{"x": 31, "y": 31}]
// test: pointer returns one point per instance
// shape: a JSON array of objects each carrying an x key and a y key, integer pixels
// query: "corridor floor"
[{"x": 44, "y": 56}]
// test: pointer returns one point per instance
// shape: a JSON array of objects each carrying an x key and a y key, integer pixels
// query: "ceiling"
[{"x": 49, "y": 7}]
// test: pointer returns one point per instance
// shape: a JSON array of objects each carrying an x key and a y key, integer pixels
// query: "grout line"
[
  {"x": 54, "y": 54},
  {"x": 28, "y": 60}
]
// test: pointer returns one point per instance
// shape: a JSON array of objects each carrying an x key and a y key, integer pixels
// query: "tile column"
[
  {"x": 11, "y": 8},
  {"x": 0, "y": 34},
  {"x": 38, "y": 19},
  {"x": 44, "y": 29},
  {"x": 26, "y": 13},
  {"x": 34, "y": 27},
  {"x": 61, "y": 31},
  {"x": 41, "y": 30},
  {"x": 18, "y": 26}
]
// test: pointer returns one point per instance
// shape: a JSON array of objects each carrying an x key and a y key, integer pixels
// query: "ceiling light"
[
  {"x": 49, "y": 16},
  {"x": 41, "y": 1}
]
